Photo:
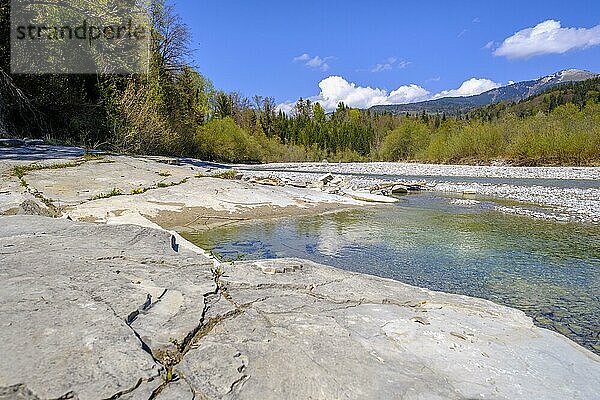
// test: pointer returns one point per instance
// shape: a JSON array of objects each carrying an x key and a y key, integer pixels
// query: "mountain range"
[{"x": 511, "y": 93}]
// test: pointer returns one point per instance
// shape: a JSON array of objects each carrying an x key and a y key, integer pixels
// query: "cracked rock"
[
  {"x": 65, "y": 300},
  {"x": 97, "y": 312},
  {"x": 325, "y": 333}
]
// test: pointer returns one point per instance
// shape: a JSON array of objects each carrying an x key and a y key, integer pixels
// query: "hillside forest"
[{"x": 174, "y": 110}]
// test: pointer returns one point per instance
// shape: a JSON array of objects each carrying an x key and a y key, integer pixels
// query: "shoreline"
[
  {"x": 325, "y": 321},
  {"x": 534, "y": 185},
  {"x": 206, "y": 218}
]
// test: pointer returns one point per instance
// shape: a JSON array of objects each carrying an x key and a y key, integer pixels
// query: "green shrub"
[
  {"x": 405, "y": 141},
  {"x": 223, "y": 140}
]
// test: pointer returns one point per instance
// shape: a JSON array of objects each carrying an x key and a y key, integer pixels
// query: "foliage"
[
  {"x": 174, "y": 110},
  {"x": 112, "y": 193},
  {"x": 404, "y": 142},
  {"x": 565, "y": 136},
  {"x": 224, "y": 140},
  {"x": 21, "y": 170},
  {"x": 228, "y": 174}
]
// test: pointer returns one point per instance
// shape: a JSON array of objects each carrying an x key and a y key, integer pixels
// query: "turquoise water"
[{"x": 549, "y": 270}]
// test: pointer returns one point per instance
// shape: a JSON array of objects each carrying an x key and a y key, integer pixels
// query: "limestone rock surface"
[{"x": 93, "y": 311}]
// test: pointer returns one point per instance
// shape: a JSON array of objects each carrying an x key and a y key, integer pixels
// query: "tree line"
[{"x": 174, "y": 110}]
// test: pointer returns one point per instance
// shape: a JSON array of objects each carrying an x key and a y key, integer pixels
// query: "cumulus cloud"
[
  {"x": 315, "y": 62},
  {"x": 336, "y": 89},
  {"x": 407, "y": 94},
  {"x": 471, "y": 87},
  {"x": 548, "y": 37},
  {"x": 286, "y": 107}
]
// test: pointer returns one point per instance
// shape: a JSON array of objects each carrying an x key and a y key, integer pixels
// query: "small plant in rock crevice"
[
  {"x": 112, "y": 193},
  {"x": 229, "y": 174}
]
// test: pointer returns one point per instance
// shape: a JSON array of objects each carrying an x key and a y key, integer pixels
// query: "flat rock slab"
[
  {"x": 92, "y": 310},
  {"x": 99, "y": 311},
  {"x": 120, "y": 189},
  {"x": 306, "y": 331},
  {"x": 28, "y": 152}
]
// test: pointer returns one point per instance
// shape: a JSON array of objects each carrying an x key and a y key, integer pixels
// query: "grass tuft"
[
  {"x": 229, "y": 174},
  {"x": 166, "y": 185},
  {"x": 91, "y": 156},
  {"x": 112, "y": 193},
  {"x": 21, "y": 170},
  {"x": 139, "y": 190}
]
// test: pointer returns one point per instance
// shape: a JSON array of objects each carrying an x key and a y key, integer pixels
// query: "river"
[{"x": 442, "y": 241}]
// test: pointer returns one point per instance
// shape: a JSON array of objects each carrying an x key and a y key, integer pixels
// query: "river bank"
[
  {"x": 123, "y": 308},
  {"x": 565, "y": 193},
  {"x": 446, "y": 243}
]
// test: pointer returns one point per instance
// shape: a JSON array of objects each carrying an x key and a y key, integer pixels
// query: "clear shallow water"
[{"x": 547, "y": 269}]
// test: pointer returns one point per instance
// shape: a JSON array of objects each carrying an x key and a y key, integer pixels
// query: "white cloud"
[
  {"x": 489, "y": 45},
  {"x": 407, "y": 94},
  {"x": 336, "y": 89},
  {"x": 469, "y": 88},
  {"x": 548, "y": 37},
  {"x": 476, "y": 20},
  {"x": 381, "y": 67},
  {"x": 403, "y": 64},
  {"x": 285, "y": 107},
  {"x": 315, "y": 62},
  {"x": 389, "y": 64}
]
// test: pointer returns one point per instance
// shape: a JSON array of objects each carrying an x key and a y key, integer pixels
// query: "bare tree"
[{"x": 171, "y": 36}]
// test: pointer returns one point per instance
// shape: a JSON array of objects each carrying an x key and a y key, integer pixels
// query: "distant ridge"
[{"x": 514, "y": 92}]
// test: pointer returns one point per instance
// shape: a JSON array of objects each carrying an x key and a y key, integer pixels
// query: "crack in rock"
[
  {"x": 204, "y": 327},
  {"x": 144, "y": 308},
  {"x": 127, "y": 391},
  {"x": 145, "y": 348},
  {"x": 238, "y": 383}
]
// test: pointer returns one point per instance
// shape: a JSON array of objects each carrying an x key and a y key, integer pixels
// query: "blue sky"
[{"x": 285, "y": 49}]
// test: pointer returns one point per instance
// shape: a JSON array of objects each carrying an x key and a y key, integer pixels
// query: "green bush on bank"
[
  {"x": 223, "y": 140},
  {"x": 565, "y": 136}
]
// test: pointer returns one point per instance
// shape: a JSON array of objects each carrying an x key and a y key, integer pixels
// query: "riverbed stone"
[{"x": 124, "y": 189}]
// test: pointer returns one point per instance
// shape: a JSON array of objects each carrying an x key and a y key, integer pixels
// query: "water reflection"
[{"x": 549, "y": 270}]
